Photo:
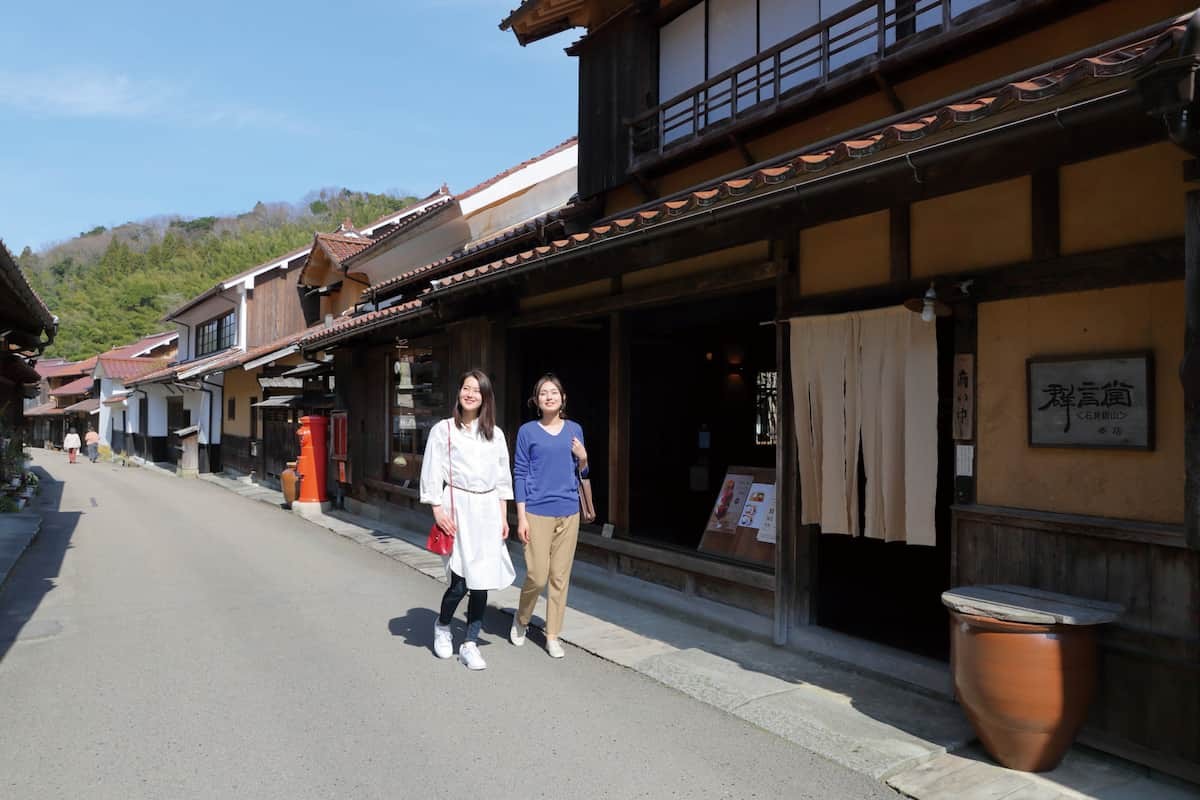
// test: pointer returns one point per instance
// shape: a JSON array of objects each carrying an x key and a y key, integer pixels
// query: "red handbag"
[{"x": 440, "y": 542}]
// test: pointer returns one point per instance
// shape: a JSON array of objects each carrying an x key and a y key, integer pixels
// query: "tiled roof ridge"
[
  {"x": 514, "y": 232},
  {"x": 405, "y": 224},
  {"x": 39, "y": 305},
  {"x": 441, "y": 190},
  {"x": 349, "y": 238},
  {"x": 78, "y": 386},
  {"x": 1113, "y": 60},
  {"x": 558, "y": 148},
  {"x": 362, "y": 322}
]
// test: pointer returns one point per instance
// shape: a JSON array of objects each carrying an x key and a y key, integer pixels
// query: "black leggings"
[{"x": 475, "y": 606}]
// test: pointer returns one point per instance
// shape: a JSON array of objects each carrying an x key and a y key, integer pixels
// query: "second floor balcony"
[{"x": 845, "y": 48}]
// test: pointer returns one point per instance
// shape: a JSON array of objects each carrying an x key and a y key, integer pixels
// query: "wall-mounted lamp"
[{"x": 928, "y": 306}]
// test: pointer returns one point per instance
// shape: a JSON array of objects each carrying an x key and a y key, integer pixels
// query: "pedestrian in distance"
[
  {"x": 71, "y": 445},
  {"x": 92, "y": 440},
  {"x": 549, "y": 461},
  {"x": 465, "y": 478}
]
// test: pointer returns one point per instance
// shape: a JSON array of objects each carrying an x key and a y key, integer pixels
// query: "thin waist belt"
[{"x": 473, "y": 491}]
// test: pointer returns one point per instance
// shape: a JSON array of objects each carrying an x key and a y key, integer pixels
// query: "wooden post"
[
  {"x": 792, "y": 563},
  {"x": 1189, "y": 370},
  {"x": 618, "y": 420},
  {"x": 1046, "y": 225}
]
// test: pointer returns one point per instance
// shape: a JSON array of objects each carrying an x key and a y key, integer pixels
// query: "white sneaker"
[
  {"x": 468, "y": 654},
  {"x": 443, "y": 641},
  {"x": 516, "y": 633},
  {"x": 554, "y": 648}
]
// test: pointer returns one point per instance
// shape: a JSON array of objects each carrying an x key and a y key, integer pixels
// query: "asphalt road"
[{"x": 167, "y": 639}]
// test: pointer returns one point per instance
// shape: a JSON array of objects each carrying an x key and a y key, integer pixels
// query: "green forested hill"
[{"x": 110, "y": 287}]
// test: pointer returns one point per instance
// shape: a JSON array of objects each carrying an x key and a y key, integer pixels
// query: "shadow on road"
[
  {"x": 33, "y": 577},
  {"x": 417, "y": 626}
]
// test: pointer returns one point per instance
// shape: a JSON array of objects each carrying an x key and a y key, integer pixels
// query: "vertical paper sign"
[{"x": 964, "y": 397}]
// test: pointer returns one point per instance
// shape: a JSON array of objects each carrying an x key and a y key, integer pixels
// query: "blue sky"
[{"x": 116, "y": 111}]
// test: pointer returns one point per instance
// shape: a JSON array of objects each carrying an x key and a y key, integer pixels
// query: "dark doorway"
[
  {"x": 578, "y": 354},
  {"x": 890, "y": 592},
  {"x": 695, "y": 372},
  {"x": 280, "y": 444},
  {"x": 177, "y": 417}
]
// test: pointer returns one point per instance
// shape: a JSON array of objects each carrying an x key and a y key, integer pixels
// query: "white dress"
[{"x": 481, "y": 480}]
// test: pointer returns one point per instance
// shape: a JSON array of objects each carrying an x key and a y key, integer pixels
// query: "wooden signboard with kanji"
[{"x": 742, "y": 522}]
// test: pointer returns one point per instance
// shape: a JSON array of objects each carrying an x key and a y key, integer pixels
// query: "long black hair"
[
  {"x": 549, "y": 377},
  {"x": 487, "y": 409}
]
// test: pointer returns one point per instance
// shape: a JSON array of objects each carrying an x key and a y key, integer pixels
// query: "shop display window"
[{"x": 417, "y": 397}]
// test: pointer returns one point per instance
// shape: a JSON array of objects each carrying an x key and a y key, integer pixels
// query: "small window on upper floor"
[{"x": 216, "y": 334}]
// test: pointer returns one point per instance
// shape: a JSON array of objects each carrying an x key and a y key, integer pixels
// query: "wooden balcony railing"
[{"x": 835, "y": 50}]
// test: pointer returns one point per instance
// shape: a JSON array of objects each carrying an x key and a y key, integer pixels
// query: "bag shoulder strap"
[{"x": 450, "y": 462}]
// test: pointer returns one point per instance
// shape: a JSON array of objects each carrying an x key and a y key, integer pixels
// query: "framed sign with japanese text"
[{"x": 1092, "y": 401}]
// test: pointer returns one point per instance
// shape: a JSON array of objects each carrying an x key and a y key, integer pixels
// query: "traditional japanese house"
[
  {"x": 41, "y": 408},
  {"x": 26, "y": 328},
  {"x": 910, "y": 275},
  {"x": 263, "y": 403},
  {"x": 211, "y": 326},
  {"x": 394, "y": 362}
]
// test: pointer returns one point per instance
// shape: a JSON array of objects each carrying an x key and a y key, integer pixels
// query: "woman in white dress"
[{"x": 466, "y": 479}]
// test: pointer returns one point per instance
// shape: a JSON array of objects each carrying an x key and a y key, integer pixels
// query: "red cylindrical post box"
[{"x": 312, "y": 459}]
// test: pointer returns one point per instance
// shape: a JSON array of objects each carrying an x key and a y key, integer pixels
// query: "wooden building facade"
[{"x": 1002, "y": 167}]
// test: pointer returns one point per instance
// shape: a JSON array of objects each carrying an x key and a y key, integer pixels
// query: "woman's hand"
[
  {"x": 578, "y": 450},
  {"x": 523, "y": 530},
  {"x": 504, "y": 528},
  {"x": 444, "y": 521}
]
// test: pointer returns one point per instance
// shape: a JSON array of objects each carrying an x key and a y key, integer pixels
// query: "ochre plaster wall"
[
  {"x": 240, "y": 386},
  {"x": 1095, "y": 26},
  {"x": 753, "y": 253},
  {"x": 1112, "y": 483},
  {"x": 581, "y": 292},
  {"x": 847, "y": 254},
  {"x": 978, "y": 228},
  {"x": 1134, "y": 196}
]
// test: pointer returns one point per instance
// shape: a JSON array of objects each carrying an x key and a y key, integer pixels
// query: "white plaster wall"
[
  {"x": 550, "y": 193},
  {"x": 215, "y": 306},
  {"x": 104, "y": 424},
  {"x": 157, "y": 397},
  {"x": 423, "y": 247}
]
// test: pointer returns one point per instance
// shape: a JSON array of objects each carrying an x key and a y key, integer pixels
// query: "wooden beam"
[
  {"x": 618, "y": 419},
  {"x": 791, "y": 591},
  {"x": 900, "y": 237},
  {"x": 1046, "y": 212},
  {"x": 741, "y": 147},
  {"x": 889, "y": 92},
  {"x": 1189, "y": 373},
  {"x": 713, "y": 283}
]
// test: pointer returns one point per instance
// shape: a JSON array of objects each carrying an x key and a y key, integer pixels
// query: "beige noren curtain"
[{"x": 868, "y": 377}]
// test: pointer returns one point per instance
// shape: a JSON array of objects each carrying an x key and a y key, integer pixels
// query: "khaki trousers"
[{"x": 548, "y": 558}]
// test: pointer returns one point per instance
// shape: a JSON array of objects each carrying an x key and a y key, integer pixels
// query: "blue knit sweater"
[{"x": 544, "y": 470}]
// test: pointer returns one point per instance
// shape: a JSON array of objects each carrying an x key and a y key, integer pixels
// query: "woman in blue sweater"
[{"x": 550, "y": 458}]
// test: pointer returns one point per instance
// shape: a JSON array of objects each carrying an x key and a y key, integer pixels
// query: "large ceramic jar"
[
  {"x": 289, "y": 480},
  {"x": 1024, "y": 668}
]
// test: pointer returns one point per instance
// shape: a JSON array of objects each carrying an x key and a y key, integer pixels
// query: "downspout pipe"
[{"x": 146, "y": 422}]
